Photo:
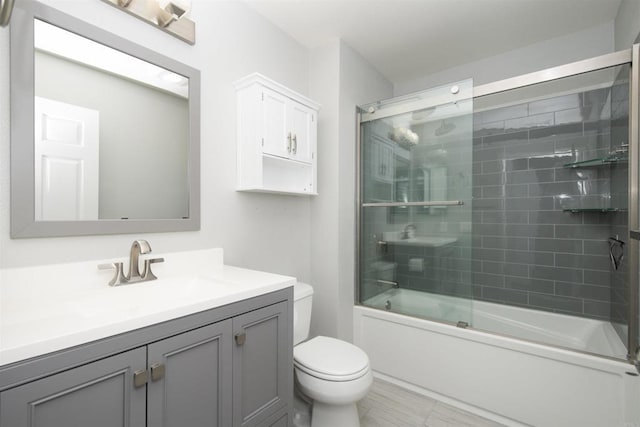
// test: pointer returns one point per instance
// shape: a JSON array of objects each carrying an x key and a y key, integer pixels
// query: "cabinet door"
[
  {"x": 190, "y": 382},
  {"x": 384, "y": 161},
  {"x": 262, "y": 369},
  {"x": 276, "y": 132},
  {"x": 99, "y": 394},
  {"x": 303, "y": 129}
]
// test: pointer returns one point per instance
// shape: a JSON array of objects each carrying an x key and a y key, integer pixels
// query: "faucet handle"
[
  {"x": 119, "y": 277},
  {"x": 148, "y": 274}
]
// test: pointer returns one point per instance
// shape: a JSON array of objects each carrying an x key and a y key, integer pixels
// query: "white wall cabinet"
[{"x": 277, "y": 137}]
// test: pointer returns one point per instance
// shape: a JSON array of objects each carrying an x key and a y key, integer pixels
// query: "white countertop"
[{"x": 49, "y": 308}]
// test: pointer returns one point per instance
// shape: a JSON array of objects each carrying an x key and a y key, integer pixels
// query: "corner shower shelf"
[
  {"x": 593, "y": 210},
  {"x": 596, "y": 162}
]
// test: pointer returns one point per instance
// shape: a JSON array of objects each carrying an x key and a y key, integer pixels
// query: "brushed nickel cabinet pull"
[
  {"x": 140, "y": 378},
  {"x": 241, "y": 338},
  {"x": 157, "y": 371}
]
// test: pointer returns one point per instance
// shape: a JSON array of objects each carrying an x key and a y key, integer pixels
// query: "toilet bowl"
[{"x": 332, "y": 374}]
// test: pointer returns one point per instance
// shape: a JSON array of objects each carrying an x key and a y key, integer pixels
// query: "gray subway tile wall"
[{"x": 531, "y": 253}]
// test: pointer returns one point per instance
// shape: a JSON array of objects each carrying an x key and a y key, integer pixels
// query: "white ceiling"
[{"x": 406, "y": 39}]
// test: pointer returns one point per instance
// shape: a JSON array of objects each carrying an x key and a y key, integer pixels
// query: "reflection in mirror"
[
  {"x": 111, "y": 132},
  {"x": 105, "y": 133}
]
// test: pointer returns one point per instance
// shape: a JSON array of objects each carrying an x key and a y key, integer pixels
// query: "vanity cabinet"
[
  {"x": 276, "y": 138},
  {"x": 236, "y": 371}
]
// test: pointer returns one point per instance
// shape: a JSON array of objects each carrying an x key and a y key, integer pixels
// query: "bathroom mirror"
[{"x": 104, "y": 133}]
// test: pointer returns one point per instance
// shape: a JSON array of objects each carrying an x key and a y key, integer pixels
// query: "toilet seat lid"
[{"x": 331, "y": 359}]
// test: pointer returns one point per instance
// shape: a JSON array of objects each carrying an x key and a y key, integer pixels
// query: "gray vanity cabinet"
[
  {"x": 190, "y": 379},
  {"x": 231, "y": 366},
  {"x": 99, "y": 394}
]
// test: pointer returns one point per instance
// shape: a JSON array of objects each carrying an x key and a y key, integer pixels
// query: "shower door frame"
[{"x": 628, "y": 56}]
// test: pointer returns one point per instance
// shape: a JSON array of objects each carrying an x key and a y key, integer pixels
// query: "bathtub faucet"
[{"x": 410, "y": 231}]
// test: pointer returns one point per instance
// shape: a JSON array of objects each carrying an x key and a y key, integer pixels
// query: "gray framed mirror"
[{"x": 105, "y": 134}]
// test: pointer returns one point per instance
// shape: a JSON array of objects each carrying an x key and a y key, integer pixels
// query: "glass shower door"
[{"x": 415, "y": 204}]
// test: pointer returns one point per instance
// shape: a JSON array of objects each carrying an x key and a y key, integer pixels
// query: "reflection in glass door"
[{"x": 415, "y": 204}]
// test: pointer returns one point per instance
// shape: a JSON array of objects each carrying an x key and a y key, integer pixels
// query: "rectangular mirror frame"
[{"x": 23, "y": 223}]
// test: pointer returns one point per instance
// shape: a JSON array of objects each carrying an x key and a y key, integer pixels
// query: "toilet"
[{"x": 332, "y": 374}]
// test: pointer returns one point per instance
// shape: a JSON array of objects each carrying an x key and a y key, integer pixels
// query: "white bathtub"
[{"x": 510, "y": 380}]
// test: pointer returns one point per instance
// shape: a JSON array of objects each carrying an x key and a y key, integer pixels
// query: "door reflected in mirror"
[{"x": 111, "y": 133}]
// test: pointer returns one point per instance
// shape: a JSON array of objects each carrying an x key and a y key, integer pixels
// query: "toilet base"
[
  {"x": 323, "y": 415},
  {"x": 301, "y": 410}
]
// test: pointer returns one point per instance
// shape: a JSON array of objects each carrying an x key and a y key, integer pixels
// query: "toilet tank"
[{"x": 302, "y": 297}]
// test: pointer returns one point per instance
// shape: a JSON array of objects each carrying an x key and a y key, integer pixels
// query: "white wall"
[
  {"x": 585, "y": 44},
  {"x": 627, "y": 24},
  {"x": 360, "y": 84},
  {"x": 340, "y": 80},
  {"x": 324, "y": 83},
  {"x": 266, "y": 232}
]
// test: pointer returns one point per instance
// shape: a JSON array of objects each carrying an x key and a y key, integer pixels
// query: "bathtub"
[{"x": 510, "y": 380}]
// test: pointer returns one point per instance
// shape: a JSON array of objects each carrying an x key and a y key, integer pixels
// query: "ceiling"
[{"x": 407, "y": 39}]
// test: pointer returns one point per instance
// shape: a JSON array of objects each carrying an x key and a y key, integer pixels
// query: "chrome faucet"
[{"x": 138, "y": 247}]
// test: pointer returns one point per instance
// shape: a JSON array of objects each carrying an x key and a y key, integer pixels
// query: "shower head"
[
  {"x": 444, "y": 128},
  {"x": 404, "y": 137}
]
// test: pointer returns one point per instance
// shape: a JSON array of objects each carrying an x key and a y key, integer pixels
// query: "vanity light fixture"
[
  {"x": 6, "y": 6},
  {"x": 171, "y": 11},
  {"x": 168, "y": 15}
]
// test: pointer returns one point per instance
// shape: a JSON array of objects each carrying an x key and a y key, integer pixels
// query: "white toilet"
[{"x": 331, "y": 373}]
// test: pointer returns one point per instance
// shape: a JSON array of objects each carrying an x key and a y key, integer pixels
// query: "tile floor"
[{"x": 388, "y": 405}]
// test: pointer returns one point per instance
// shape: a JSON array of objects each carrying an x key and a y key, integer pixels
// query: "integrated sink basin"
[
  {"x": 49, "y": 308},
  {"x": 147, "y": 297}
]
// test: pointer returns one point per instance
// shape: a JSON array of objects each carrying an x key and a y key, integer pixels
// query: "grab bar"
[{"x": 398, "y": 204}]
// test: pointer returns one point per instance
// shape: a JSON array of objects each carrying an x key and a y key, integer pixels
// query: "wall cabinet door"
[
  {"x": 276, "y": 135},
  {"x": 383, "y": 161},
  {"x": 289, "y": 128},
  {"x": 99, "y": 394},
  {"x": 303, "y": 132},
  {"x": 261, "y": 372},
  {"x": 190, "y": 379}
]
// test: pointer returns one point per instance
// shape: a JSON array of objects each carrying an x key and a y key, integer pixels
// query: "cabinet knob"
[
  {"x": 140, "y": 378},
  {"x": 157, "y": 371},
  {"x": 241, "y": 338}
]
